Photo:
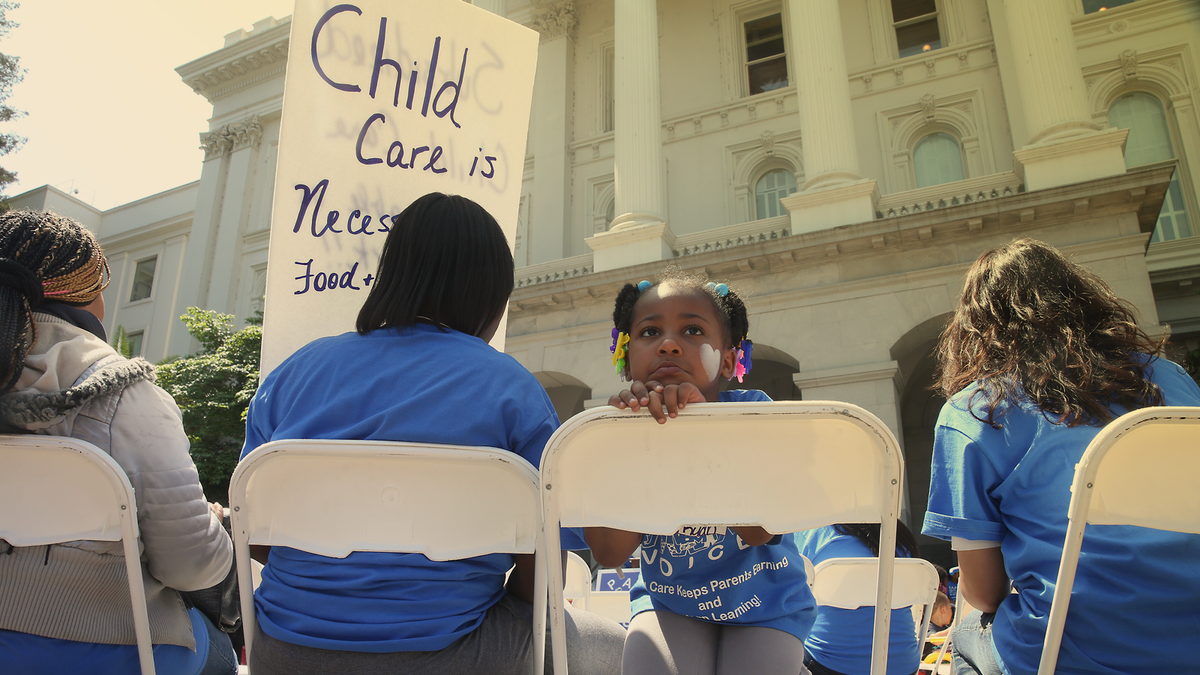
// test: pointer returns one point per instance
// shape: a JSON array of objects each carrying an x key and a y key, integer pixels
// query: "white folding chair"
[
  {"x": 333, "y": 497},
  {"x": 849, "y": 583},
  {"x": 1139, "y": 470},
  {"x": 55, "y": 489},
  {"x": 803, "y": 465},
  {"x": 579, "y": 581},
  {"x": 936, "y": 666}
]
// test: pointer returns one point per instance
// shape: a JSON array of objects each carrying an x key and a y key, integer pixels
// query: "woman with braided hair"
[{"x": 65, "y": 607}]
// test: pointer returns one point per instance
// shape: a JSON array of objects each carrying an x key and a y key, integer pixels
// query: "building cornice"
[
  {"x": 1139, "y": 192},
  {"x": 260, "y": 56}
]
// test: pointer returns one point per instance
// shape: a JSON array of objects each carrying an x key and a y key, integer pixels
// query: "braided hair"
[
  {"x": 43, "y": 257},
  {"x": 730, "y": 307}
]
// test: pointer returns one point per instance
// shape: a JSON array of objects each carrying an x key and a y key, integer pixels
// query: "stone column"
[
  {"x": 243, "y": 138},
  {"x": 553, "y": 89},
  {"x": 833, "y": 193},
  {"x": 1064, "y": 145},
  {"x": 873, "y": 386},
  {"x": 494, "y": 6},
  {"x": 639, "y": 232}
]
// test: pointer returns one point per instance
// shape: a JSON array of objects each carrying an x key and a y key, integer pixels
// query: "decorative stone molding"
[
  {"x": 928, "y": 109},
  {"x": 1129, "y": 64},
  {"x": 746, "y": 162},
  {"x": 253, "y": 59},
  {"x": 961, "y": 115},
  {"x": 231, "y": 138},
  {"x": 555, "y": 20}
]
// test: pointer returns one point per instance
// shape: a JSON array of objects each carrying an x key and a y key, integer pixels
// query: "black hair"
[
  {"x": 730, "y": 307},
  {"x": 868, "y": 534},
  {"x": 41, "y": 253},
  {"x": 445, "y": 261}
]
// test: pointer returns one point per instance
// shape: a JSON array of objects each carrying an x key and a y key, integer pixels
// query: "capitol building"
[{"x": 839, "y": 162}]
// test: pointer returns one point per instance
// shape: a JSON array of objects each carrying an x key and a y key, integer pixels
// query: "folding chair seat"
[
  {"x": 55, "y": 489},
  {"x": 803, "y": 465},
  {"x": 332, "y": 498}
]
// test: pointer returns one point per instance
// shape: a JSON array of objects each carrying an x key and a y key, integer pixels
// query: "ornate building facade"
[{"x": 839, "y": 162}]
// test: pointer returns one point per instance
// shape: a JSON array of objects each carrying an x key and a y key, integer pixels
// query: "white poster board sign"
[{"x": 385, "y": 101}]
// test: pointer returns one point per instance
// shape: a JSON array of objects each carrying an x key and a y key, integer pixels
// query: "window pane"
[
  {"x": 143, "y": 280},
  {"x": 937, "y": 160},
  {"x": 903, "y": 10},
  {"x": 135, "y": 344},
  {"x": 609, "y": 89},
  {"x": 1149, "y": 138},
  {"x": 918, "y": 37},
  {"x": 765, "y": 29},
  {"x": 764, "y": 49},
  {"x": 1090, "y": 6},
  {"x": 768, "y": 75},
  {"x": 770, "y": 188},
  {"x": 1172, "y": 219}
]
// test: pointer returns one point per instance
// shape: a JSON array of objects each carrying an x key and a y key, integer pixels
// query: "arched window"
[
  {"x": 610, "y": 213},
  {"x": 1150, "y": 141},
  {"x": 937, "y": 159},
  {"x": 770, "y": 188}
]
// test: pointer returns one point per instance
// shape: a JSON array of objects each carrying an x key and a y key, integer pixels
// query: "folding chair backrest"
[
  {"x": 332, "y": 497},
  {"x": 850, "y": 583},
  {"x": 1139, "y": 470},
  {"x": 55, "y": 489},
  {"x": 801, "y": 464},
  {"x": 578, "y": 588}
]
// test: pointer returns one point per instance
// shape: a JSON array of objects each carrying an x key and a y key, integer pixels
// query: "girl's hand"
[
  {"x": 636, "y": 396},
  {"x": 662, "y": 401}
]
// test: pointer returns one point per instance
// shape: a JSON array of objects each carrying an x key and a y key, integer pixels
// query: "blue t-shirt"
[
  {"x": 418, "y": 384},
  {"x": 26, "y": 654},
  {"x": 712, "y": 575},
  {"x": 841, "y": 639},
  {"x": 1135, "y": 607}
]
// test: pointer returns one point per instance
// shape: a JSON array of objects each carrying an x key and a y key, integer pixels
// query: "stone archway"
[
  {"x": 567, "y": 393},
  {"x": 919, "y": 408},
  {"x": 773, "y": 373}
]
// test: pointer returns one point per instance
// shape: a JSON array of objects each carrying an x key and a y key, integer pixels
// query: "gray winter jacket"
[{"x": 75, "y": 385}]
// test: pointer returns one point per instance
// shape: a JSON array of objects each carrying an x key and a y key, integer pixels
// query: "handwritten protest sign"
[{"x": 384, "y": 101}]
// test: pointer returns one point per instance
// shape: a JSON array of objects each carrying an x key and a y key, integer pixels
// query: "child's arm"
[
  {"x": 753, "y": 535},
  {"x": 662, "y": 401},
  {"x": 611, "y": 547}
]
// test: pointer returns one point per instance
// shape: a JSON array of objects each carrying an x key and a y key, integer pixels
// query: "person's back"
[
  {"x": 66, "y": 607},
  {"x": 1039, "y": 355},
  {"x": 380, "y": 386},
  {"x": 1136, "y": 592},
  {"x": 840, "y": 641},
  {"x": 418, "y": 369}
]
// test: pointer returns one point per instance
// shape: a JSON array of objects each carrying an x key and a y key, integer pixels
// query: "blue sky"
[{"x": 107, "y": 114}]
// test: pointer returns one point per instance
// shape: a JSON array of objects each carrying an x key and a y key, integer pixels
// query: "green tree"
[
  {"x": 11, "y": 73},
  {"x": 213, "y": 389}
]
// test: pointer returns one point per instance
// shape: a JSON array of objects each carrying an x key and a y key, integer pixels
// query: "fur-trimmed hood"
[{"x": 66, "y": 367}]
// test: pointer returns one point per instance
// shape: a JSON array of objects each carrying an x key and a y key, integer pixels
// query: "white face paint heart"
[{"x": 711, "y": 358}]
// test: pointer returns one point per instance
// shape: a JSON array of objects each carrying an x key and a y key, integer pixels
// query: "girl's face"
[{"x": 677, "y": 336}]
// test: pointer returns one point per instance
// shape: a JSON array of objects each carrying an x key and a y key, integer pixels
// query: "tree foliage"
[
  {"x": 11, "y": 73},
  {"x": 213, "y": 389}
]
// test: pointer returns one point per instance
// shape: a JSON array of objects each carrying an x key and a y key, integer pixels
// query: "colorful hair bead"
[
  {"x": 744, "y": 364},
  {"x": 721, "y": 290},
  {"x": 618, "y": 351},
  {"x": 643, "y": 286}
]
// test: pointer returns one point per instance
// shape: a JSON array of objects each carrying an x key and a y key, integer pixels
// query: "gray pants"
[
  {"x": 501, "y": 645},
  {"x": 662, "y": 643}
]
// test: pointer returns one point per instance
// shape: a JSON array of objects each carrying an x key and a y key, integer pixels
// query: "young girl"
[{"x": 675, "y": 339}]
